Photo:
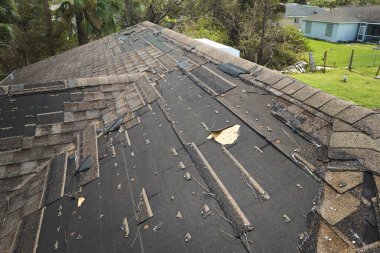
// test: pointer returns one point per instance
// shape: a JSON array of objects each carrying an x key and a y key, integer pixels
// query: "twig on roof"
[
  {"x": 228, "y": 234},
  {"x": 224, "y": 218},
  {"x": 291, "y": 139},
  {"x": 137, "y": 233},
  {"x": 204, "y": 188}
]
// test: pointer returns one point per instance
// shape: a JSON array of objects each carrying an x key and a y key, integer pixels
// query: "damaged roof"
[{"x": 150, "y": 141}]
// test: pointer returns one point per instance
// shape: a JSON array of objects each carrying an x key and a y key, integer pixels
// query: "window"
[
  {"x": 329, "y": 29},
  {"x": 308, "y": 27},
  {"x": 296, "y": 20}
]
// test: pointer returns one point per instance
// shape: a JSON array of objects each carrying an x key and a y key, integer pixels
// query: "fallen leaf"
[{"x": 80, "y": 201}]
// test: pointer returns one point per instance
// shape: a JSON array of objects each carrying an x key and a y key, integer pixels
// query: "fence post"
[
  {"x": 378, "y": 70},
  {"x": 324, "y": 62},
  {"x": 351, "y": 59},
  {"x": 311, "y": 62}
]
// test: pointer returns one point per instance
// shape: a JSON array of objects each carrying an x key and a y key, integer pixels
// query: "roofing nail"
[
  {"x": 59, "y": 208},
  {"x": 269, "y": 129},
  {"x": 187, "y": 176},
  {"x": 174, "y": 152},
  {"x": 216, "y": 111},
  {"x": 182, "y": 165},
  {"x": 179, "y": 215},
  {"x": 147, "y": 141},
  {"x": 113, "y": 151},
  {"x": 132, "y": 154},
  {"x": 59, "y": 213},
  {"x": 205, "y": 211},
  {"x": 299, "y": 186},
  {"x": 158, "y": 226},
  {"x": 238, "y": 106},
  {"x": 101, "y": 216},
  {"x": 56, "y": 245},
  {"x": 342, "y": 184},
  {"x": 115, "y": 164},
  {"x": 187, "y": 237},
  {"x": 172, "y": 198},
  {"x": 79, "y": 237},
  {"x": 118, "y": 187},
  {"x": 258, "y": 149},
  {"x": 287, "y": 219}
]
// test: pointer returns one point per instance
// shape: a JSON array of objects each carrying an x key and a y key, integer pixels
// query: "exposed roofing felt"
[
  {"x": 105, "y": 148},
  {"x": 298, "y": 10},
  {"x": 367, "y": 14}
]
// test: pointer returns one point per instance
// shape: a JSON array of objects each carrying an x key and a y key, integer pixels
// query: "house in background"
[
  {"x": 345, "y": 24},
  {"x": 295, "y": 13}
]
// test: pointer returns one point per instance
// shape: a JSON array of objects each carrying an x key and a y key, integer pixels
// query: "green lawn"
[{"x": 361, "y": 87}]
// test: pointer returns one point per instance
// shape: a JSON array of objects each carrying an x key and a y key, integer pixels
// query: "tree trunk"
[
  {"x": 128, "y": 13},
  {"x": 49, "y": 27},
  {"x": 81, "y": 33},
  {"x": 261, "y": 49}
]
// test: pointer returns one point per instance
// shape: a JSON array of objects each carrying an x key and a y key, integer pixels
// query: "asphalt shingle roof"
[
  {"x": 297, "y": 10},
  {"x": 367, "y": 14},
  {"x": 301, "y": 172}
]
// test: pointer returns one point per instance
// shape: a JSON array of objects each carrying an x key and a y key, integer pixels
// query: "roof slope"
[
  {"x": 298, "y": 10},
  {"x": 107, "y": 147},
  {"x": 367, "y": 14}
]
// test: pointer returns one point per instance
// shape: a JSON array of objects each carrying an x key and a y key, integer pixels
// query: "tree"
[
  {"x": 92, "y": 17},
  {"x": 7, "y": 16},
  {"x": 49, "y": 26}
]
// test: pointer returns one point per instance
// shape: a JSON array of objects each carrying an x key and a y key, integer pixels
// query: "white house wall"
[
  {"x": 347, "y": 32},
  {"x": 318, "y": 30}
]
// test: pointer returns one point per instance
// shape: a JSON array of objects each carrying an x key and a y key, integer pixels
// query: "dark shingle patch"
[
  {"x": 232, "y": 69},
  {"x": 293, "y": 87},
  {"x": 158, "y": 44},
  {"x": 370, "y": 124},
  {"x": 335, "y": 106},
  {"x": 319, "y": 99},
  {"x": 30, "y": 130},
  {"x": 213, "y": 81},
  {"x": 354, "y": 113},
  {"x": 50, "y": 118},
  {"x": 305, "y": 93}
]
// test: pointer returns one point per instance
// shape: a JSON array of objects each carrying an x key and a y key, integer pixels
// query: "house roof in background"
[
  {"x": 367, "y": 14},
  {"x": 297, "y": 10},
  {"x": 114, "y": 146}
]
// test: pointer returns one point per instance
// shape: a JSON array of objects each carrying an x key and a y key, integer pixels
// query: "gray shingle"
[
  {"x": 354, "y": 113},
  {"x": 319, "y": 99}
]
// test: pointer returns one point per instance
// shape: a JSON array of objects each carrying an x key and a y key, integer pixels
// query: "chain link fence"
[{"x": 365, "y": 60}]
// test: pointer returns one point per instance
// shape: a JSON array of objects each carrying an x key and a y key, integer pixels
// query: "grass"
[{"x": 361, "y": 86}]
